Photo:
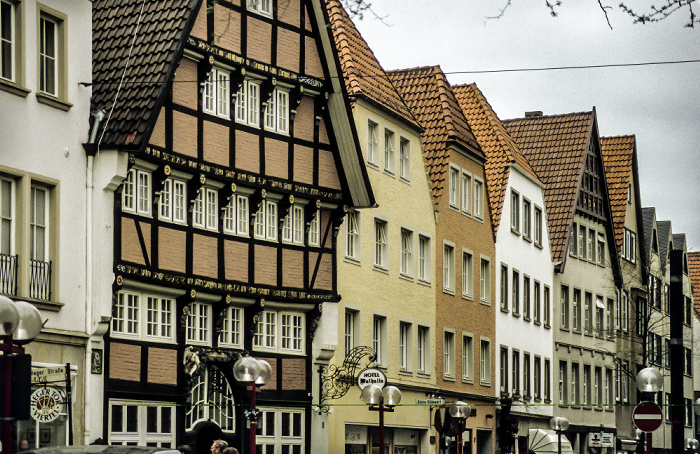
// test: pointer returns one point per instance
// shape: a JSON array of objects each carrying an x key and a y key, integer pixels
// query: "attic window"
[
  {"x": 591, "y": 195},
  {"x": 263, "y": 7}
]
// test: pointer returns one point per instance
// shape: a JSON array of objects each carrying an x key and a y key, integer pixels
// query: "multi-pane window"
[
  {"x": 314, "y": 236},
  {"x": 405, "y": 159},
  {"x": 538, "y": 226},
  {"x": 467, "y": 274},
  {"x": 379, "y": 339},
  {"x": 265, "y": 221},
  {"x": 281, "y": 431},
  {"x": 547, "y": 380},
  {"x": 210, "y": 399},
  {"x": 154, "y": 321},
  {"x": 8, "y": 275},
  {"x": 526, "y": 376},
  {"x": 277, "y": 112},
  {"x": 625, "y": 311},
  {"x": 198, "y": 324},
  {"x": 592, "y": 245},
  {"x": 389, "y": 151},
  {"x": 205, "y": 209},
  {"x": 478, "y": 199},
  {"x": 485, "y": 280},
  {"x": 280, "y": 331},
  {"x": 142, "y": 423},
  {"x": 575, "y": 384},
  {"x": 248, "y": 103},
  {"x": 563, "y": 388},
  {"x": 454, "y": 187},
  {"x": 629, "y": 246},
  {"x": 515, "y": 286},
  {"x": 586, "y": 393},
  {"x": 38, "y": 224},
  {"x": 352, "y": 235},
  {"x": 292, "y": 328},
  {"x": 373, "y": 143},
  {"x": 424, "y": 258},
  {"x": 448, "y": 268},
  {"x": 48, "y": 55},
  {"x": 588, "y": 313},
  {"x": 448, "y": 350},
  {"x": 609, "y": 316},
  {"x": 351, "y": 317},
  {"x": 8, "y": 40},
  {"x": 687, "y": 358},
  {"x": 537, "y": 302},
  {"x": 422, "y": 346},
  {"x": 526, "y": 298},
  {"x": 265, "y": 337},
  {"x": 600, "y": 255},
  {"x": 293, "y": 225},
  {"x": 599, "y": 315},
  {"x": 503, "y": 369},
  {"x": 381, "y": 244},
  {"x": 263, "y": 7},
  {"x": 231, "y": 334},
  {"x": 515, "y": 369},
  {"x": 404, "y": 345},
  {"x": 485, "y": 362},
  {"x": 576, "y": 311},
  {"x": 582, "y": 241},
  {"x": 537, "y": 378},
  {"x": 406, "y": 262},
  {"x": 515, "y": 211},
  {"x": 504, "y": 287},
  {"x": 467, "y": 357},
  {"x": 216, "y": 93},
  {"x": 546, "y": 310},
  {"x": 527, "y": 219},
  {"x": 466, "y": 193},
  {"x": 598, "y": 386},
  {"x": 237, "y": 215},
  {"x": 172, "y": 204},
  {"x": 136, "y": 192},
  {"x": 564, "y": 311},
  {"x": 573, "y": 242}
]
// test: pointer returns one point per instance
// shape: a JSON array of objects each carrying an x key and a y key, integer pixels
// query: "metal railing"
[
  {"x": 40, "y": 280},
  {"x": 8, "y": 274}
]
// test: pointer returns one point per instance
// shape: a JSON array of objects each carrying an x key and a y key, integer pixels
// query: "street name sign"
[
  {"x": 431, "y": 402},
  {"x": 647, "y": 416}
]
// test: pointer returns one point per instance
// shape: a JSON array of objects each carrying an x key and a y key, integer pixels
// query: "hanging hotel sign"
[
  {"x": 371, "y": 376},
  {"x": 46, "y": 404}
]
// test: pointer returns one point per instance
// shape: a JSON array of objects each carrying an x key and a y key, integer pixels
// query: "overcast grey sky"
[{"x": 660, "y": 105}]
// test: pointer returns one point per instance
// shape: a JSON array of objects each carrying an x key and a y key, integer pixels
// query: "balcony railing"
[
  {"x": 40, "y": 280},
  {"x": 8, "y": 274}
]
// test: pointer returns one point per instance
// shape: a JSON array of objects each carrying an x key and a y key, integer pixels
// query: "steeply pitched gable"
[
  {"x": 498, "y": 146},
  {"x": 429, "y": 95},
  {"x": 617, "y": 154},
  {"x": 136, "y": 47},
  {"x": 362, "y": 73}
]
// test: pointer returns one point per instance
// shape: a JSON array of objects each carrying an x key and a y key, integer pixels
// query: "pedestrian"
[
  {"x": 230, "y": 450},
  {"x": 218, "y": 446},
  {"x": 23, "y": 445},
  {"x": 184, "y": 449}
]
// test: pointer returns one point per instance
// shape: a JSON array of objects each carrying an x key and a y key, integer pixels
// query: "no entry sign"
[{"x": 647, "y": 416}]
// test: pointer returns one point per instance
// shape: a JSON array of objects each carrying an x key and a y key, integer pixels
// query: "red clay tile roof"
[
  {"x": 362, "y": 73},
  {"x": 617, "y": 157},
  {"x": 496, "y": 143},
  {"x": 161, "y": 28},
  {"x": 555, "y": 146},
  {"x": 429, "y": 95},
  {"x": 694, "y": 272}
]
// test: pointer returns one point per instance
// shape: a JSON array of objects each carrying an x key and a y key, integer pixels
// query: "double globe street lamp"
[
  {"x": 20, "y": 323},
  {"x": 252, "y": 372},
  {"x": 460, "y": 411},
  {"x": 381, "y": 400},
  {"x": 559, "y": 423}
]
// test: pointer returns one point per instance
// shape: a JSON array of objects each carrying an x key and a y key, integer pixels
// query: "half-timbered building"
[{"x": 226, "y": 159}]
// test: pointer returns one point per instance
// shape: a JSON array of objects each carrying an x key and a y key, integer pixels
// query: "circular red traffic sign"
[{"x": 647, "y": 416}]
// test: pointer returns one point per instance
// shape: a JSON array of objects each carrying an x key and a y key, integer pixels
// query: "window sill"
[
  {"x": 422, "y": 374},
  {"x": 485, "y": 383},
  {"x": 424, "y": 282},
  {"x": 13, "y": 88},
  {"x": 547, "y": 326},
  {"x": 404, "y": 180},
  {"x": 598, "y": 408},
  {"x": 538, "y": 245},
  {"x": 51, "y": 306},
  {"x": 352, "y": 261},
  {"x": 515, "y": 231},
  {"x": 468, "y": 297},
  {"x": 380, "y": 269},
  {"x": 564, "y": 329},
  {"x": 527, "y": 238},
  {"x": 448, "y": 378},
  {"x": 406, "y": 277},
  {"x": 537, "y": 323},
  {"x": 390, "y": 173},
  {"x": 526, "y": 318},
  {"x": 448, "y": 291},
  {"x": 53, "y": 102},
  {"x": 516, "y": 314},
  {"x": 405, "y": 373},
  {"x": 469, "y": 381},
  {"x": 485, "y": 302},
  {"x": 504, "y": 310},
  {"x": 467, "y": 213},
  {"x": 372, "y": 165}
]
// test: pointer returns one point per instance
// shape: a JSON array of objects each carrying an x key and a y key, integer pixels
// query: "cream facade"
[{"x": 386, "y": 280}]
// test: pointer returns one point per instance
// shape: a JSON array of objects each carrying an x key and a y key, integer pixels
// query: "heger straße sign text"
[{"x": 371, "y": 377}]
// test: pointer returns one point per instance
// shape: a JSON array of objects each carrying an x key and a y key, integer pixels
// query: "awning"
[{"x": 544, "y": 441}]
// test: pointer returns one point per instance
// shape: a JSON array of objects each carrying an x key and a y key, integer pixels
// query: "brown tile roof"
[
  {"x": 160, "y": 29},
  {"x": 555, "y": 146},
  {"x": 429, "y": 95},
  {"x": 617, "y": 156},
  {"x": 694, "y": 272},
  {"x": 496, "y": 143},
  {"x": 362, "y": 73}
]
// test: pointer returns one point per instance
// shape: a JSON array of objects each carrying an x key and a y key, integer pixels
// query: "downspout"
[{"x": 98, "y": 117}]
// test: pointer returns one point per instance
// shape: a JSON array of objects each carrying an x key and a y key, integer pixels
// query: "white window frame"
[
  {"x": 478, "y": 198},
  {"x": 454, "y": 180},
  {"x": 198, "y": 326},
  {"x": 141, "y": 436},
  {"x": 314, "y": 235},
  {"x": 236, "y": 220},
  {"x": 209, "y": 402},
  {"x": 467, "y": 357},
  {"x": 273, "y": 439},
  {"x": 485, "y": 361},
  {"x": 205, "y": 209},
  {"x": 136, "y": 192},
  {"x": 424, "y": 259},
  {"x": 248, "y": 103},
  {"x": 448, "y": 267},
  {"x": 281, "y": 332},
  {"x": 467, "y": 273},
  {"x": 538, "y": 225},
  {"x": 448, "y": 353},
  {"x": 7, "y": 217},
  {"x": 423, "y": 350},
  {"x": 216, "y": 95},
  {"x": 379, "y": 339},
  {"x": 172, "y": 203},
  {"x": 277, "y": 112},
  {"x": 49, "y": 57},
  {"x": 404, "y": 159},
  {"x": 352, "y": 235},
  {"x": 515, "y": 211},
  {"x": 381, "y": 243},
  {"x": 351, "y": 325},
  {"x": 527, "y": 218},
  {"x": 406, "y": 254},
  {"x": 372, "y": 143},
  {"x": 467, "y": 197},
  {"x": 231, "y": 334},
  {"x": 265, "y": 221},
  {"x": 263, "y": 7},
  {"x": 9, "y": 8},
  {"x": 39, "y": 224},
  {"x": 293, "y": 225},
  {"x": 485, "y": 280},
  {"x": 405, "y": 342},
  {"x": 133, "y": 316},
  {"x": 389, "y": 151}
]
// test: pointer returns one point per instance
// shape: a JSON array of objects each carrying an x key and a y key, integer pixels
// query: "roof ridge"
[{"x": 571, "y": 114}]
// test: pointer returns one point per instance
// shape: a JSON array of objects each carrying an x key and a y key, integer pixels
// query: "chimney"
[{"x": 533, "y": 113}]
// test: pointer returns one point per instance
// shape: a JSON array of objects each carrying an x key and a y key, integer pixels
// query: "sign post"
[{"x": 647, "y": 416}]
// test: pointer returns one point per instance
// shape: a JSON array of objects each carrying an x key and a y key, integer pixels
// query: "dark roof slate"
[
  {"x": 429, "y": 95},
  {"x": 555, "y": 146},
  {"x": 362, "y": 73},
  {"x": 664, "y": 231},
  {"x": 499, "y": 147},
  {"x": 648, "y": 218},
  {"x": 135, "y": 77}
]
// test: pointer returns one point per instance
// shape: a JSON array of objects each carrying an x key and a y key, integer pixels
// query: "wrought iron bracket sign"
[{"x": 336, "y": 381}]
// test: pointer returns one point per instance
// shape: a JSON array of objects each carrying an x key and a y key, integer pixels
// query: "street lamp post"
[
  {"x": 649, "y": 381},
  {"x": 381, "y": 400},
  {"x": 559, "y": 423},
  {"x": 252, "y": 372},
  {"x": 20, "y": 323},
  {"x": 692, "y": 444},
  {"x": 460, "y": 411}
]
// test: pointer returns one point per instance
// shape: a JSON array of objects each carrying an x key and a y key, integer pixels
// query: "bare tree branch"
[
  {"x": 358, "y": 8},
  {"x": 659, "y": 13}
]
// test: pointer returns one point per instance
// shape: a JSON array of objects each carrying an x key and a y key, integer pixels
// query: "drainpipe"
[{"x": 98, "y": 117}]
